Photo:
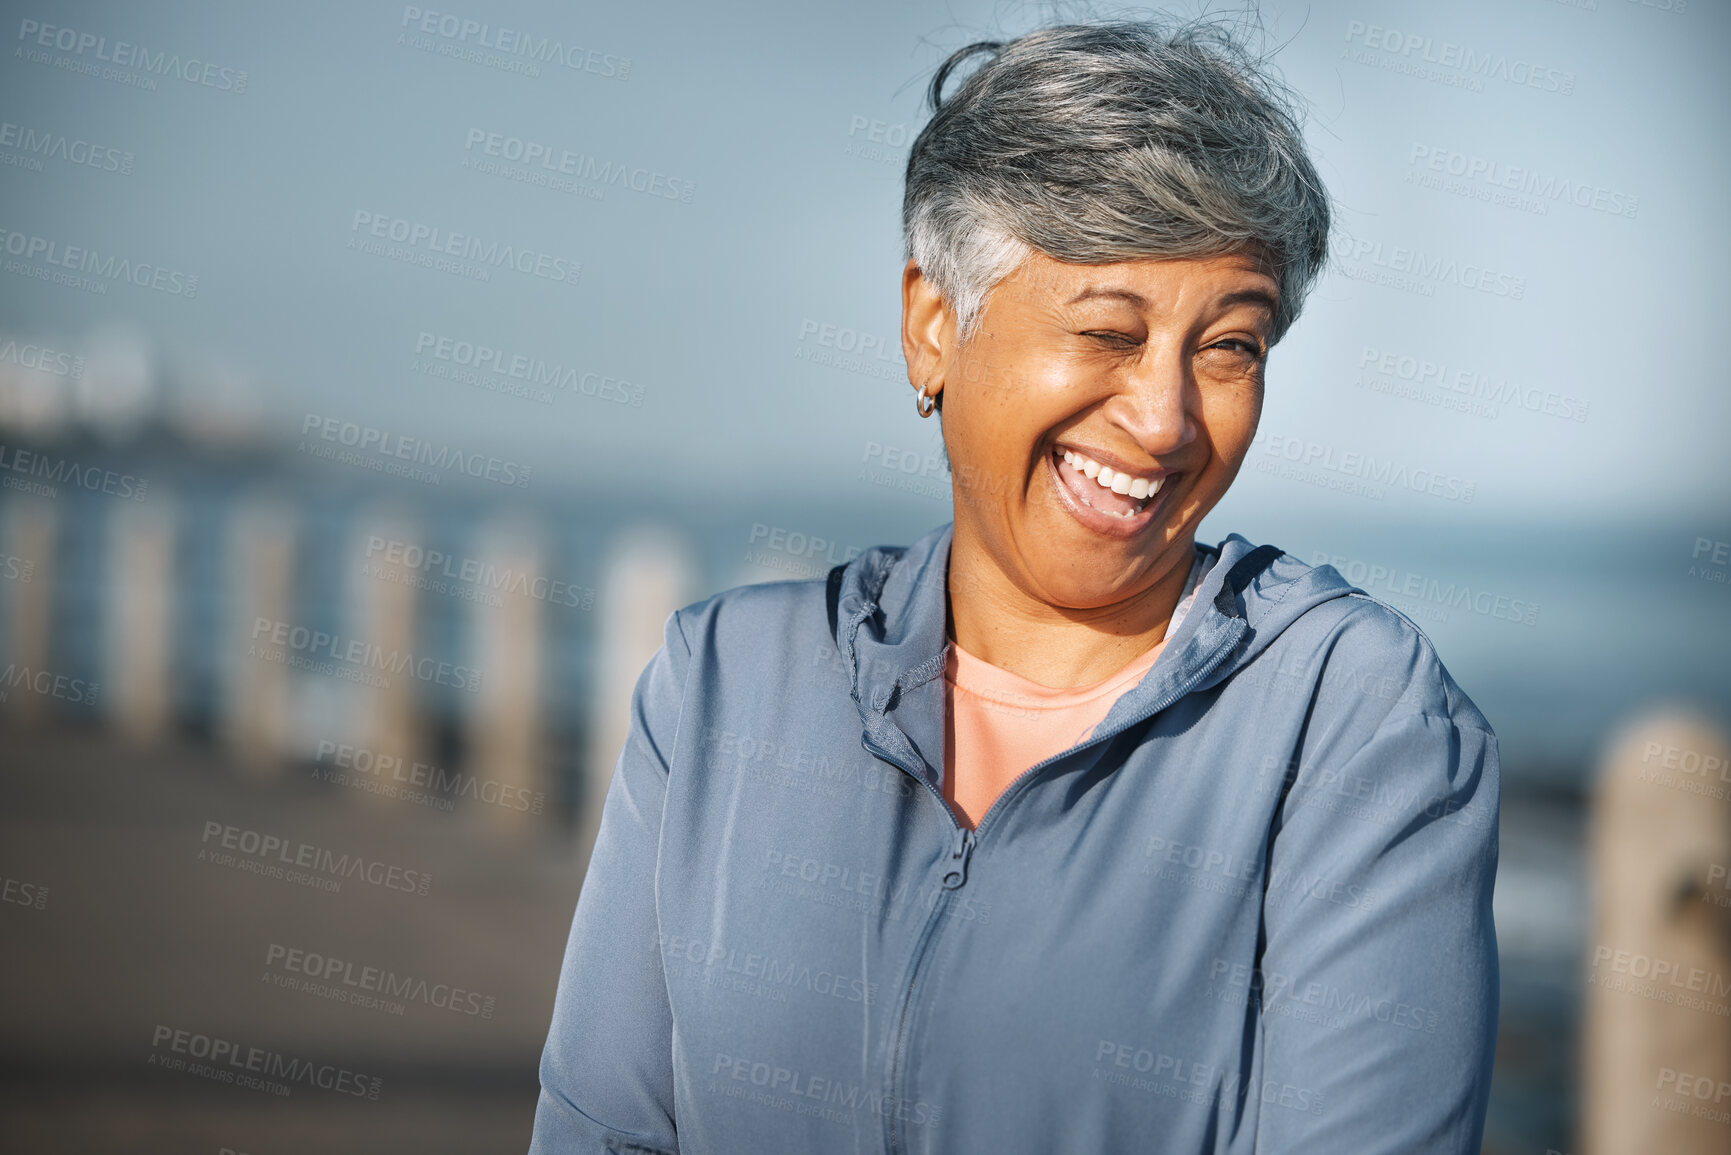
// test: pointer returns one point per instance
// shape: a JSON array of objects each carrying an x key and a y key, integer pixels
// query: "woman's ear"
[{"x": 926, "y": 330}]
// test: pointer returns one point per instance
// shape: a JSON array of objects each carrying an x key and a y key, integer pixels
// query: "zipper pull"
[{"x": 961, "y": 847}]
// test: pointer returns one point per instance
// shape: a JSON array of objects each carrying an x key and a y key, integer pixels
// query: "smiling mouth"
[{"x": 1107, "y": 491}]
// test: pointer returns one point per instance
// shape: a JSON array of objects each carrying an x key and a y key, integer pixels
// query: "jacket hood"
[{"x": 888, "y": 611}]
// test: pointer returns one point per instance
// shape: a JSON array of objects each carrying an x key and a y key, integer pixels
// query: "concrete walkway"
[{"x": 143, "y": 962}]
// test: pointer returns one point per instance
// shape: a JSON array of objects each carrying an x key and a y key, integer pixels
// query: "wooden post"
[
  {"x": 140, "y": 619},
  {"x": 648, "y": 573},
  {"x": 31, "y": 536},
  {"x": 381, "y": 572},
  {"x": 260, "y": 579},
  {"x": 1657, "y": 1034},
  {"x": 507, "y": 752}
]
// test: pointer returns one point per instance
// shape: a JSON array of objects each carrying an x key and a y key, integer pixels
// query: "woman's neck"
[{"x": 996, "y": 620}]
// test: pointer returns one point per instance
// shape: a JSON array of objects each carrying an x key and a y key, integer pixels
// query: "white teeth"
[{"x": 1138, "y": 488}]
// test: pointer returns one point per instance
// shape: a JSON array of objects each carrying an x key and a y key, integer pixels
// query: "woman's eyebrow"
[
  {"x": 1251, "y": 297},
  {"x": 1243, "y": 297},
  {"x": 1093, "y": 291}
]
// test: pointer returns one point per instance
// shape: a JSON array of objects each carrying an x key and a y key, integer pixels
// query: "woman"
[{"x": 1054, "y": 831}]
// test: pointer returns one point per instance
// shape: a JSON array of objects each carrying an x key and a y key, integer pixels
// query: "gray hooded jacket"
[{"x": 1251, "y": 912}]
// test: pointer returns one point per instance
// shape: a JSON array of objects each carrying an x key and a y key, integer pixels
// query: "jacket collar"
[{"x": 889, "y": 607}]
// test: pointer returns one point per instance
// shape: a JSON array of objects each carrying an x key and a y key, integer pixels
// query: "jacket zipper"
[{"x": 961, "y": 850}]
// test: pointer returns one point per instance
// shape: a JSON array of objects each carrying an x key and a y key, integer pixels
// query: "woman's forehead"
[{"x": 1146, "y": 282}]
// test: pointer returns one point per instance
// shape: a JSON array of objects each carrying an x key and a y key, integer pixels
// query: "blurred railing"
[{"x": 454, "y": 651}]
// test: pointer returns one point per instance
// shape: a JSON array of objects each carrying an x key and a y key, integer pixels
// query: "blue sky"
[{"x": 722, "y": 316}]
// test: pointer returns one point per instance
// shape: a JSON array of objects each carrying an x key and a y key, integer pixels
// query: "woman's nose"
[{"x": 1154, "y": 404}]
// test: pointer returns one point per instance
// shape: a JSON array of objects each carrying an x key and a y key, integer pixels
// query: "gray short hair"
[{"x": 1105, "y": 142}]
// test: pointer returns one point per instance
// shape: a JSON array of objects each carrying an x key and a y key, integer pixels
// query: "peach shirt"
[{"x": 998, "y": 724}]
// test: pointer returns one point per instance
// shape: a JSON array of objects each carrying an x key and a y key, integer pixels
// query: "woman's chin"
[
  {"x": 1074, "y": 567},
  {"x": 1070, "y": 587}
]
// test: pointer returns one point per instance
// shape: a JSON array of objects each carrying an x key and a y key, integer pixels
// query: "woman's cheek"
[{"x": 1231, "y": 416}]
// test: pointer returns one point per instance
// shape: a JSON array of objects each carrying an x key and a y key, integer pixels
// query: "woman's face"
[{"x": 1150, "y": 369}]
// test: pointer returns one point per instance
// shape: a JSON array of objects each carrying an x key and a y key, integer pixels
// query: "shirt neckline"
[{"x": 979, "y": 678}]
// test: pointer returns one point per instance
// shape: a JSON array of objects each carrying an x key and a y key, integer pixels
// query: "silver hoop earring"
[{"x": 925, "y": 403}]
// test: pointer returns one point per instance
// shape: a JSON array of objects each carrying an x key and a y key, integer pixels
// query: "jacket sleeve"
[
  {"x": 607, "y": 1068},
  {"x": 1379, "y": 982}
]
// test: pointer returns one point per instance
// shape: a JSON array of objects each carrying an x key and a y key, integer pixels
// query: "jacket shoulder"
[
  {"x": 1363, "y": 643},
  {"x": 753, "y": 617},
  {"x": 1371, "y": 637}
]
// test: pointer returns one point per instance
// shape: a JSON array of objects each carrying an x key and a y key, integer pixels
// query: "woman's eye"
[
  {"x": 1114, "y": 338},
  {"x": 1242, "y": 347}
]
